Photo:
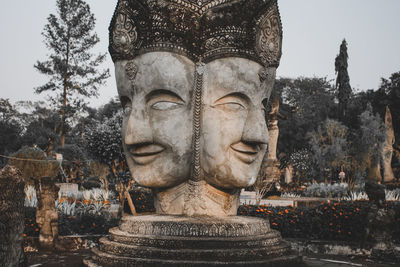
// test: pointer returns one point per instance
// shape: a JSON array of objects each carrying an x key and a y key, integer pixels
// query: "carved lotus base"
[{"x": 157, "y": 240}]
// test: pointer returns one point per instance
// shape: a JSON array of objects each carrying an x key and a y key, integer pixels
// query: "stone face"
[
  {"x": 194, "y": 78},
  {"x": 234, "y": 131},
  {"x": 157, "y": 126},
  {"x": 156, "y": 90}
]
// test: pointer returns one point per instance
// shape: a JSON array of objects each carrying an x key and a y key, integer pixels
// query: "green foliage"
[
  {"x": 313, "y": 102},
  {"x": 368, "y": 141},
  {"x": 36, "y": 164},
  {"x": 343, "y": 79},
  {"x": 43, "y": 137},
  {"x": 72, "y": 68},
  {"x": 74, "y": 161},
  {"x": 327, "y": 190},
  {"x": 330, "y": 149},
  {"x": 10, "y": 130},
  {"x": 104, "y": 141},
  {"x": 302, "y": 163}
]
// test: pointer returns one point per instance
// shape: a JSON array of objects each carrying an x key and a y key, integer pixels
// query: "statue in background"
[
  {"x": 387, "y": 150},
  {"x": 271, "y": 163},
  {"x": 46, "y": 213}
]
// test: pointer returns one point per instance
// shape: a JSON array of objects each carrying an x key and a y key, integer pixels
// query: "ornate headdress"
[{"x": 201, "y": 30}]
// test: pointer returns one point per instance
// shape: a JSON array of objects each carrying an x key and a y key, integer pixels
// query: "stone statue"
[
  {"x": 46, "y": 213},
  {"x": 387, "y": 150},
  {"x": 194, "y": 77},
  {"x": 271, "y": 163}
]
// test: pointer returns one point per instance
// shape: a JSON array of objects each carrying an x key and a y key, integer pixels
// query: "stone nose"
[
  {"x": 255, "y": 128},
  {"x": 138, "y": 128}
]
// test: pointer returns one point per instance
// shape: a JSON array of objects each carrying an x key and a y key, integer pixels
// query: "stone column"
[
  {"x": 271, "y": 163},
  {"x": 46, "y": 213},
  {"x": 11, "y": 217}
]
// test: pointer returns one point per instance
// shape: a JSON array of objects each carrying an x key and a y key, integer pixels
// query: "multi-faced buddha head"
[{"x": 194, "y": 78}]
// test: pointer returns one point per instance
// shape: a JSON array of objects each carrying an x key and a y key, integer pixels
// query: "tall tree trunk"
[
  {"x": 63, "y": 113},
  {"x": 64, "y": 107}
]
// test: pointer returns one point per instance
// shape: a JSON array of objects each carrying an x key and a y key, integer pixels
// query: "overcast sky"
[{"x": 313, "y": 31}]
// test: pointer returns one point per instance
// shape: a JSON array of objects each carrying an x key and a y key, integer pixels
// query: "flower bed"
[
  {"x": 85, "y": 224},
  {"x": 344, "y": 220}
]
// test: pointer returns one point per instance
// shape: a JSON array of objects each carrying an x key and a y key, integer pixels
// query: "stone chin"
[{"x": 234, "y": 174}]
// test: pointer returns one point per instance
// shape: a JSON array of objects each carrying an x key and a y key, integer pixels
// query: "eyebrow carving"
[{"x": 159, "y": 92}]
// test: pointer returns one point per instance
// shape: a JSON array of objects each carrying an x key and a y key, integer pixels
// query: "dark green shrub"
[{"x": 344, "y": 220}]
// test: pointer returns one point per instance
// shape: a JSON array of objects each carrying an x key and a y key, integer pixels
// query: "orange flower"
[
  {"x": 339, "y": 231},
  {"x": 349, "y": 233},
  {"x": 61, "y": 200},
  {"x": 340, "y": 214},
  {"x": 286, "y": 211},
  {"x": 330, "y": 224},
  {"x": 24, "y": 235},
  {"x": 37, "y": 229}
]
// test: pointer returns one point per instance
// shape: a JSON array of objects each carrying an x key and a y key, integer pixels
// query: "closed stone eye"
[
  {"x": 165, "y": 105},
  {"x": 231, "y": 106}
]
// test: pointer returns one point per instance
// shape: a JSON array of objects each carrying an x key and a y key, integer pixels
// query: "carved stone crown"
[{"x": 202, "y": 30}]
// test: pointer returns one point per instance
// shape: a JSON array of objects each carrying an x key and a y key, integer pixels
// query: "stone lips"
[
  {"x": 199, "y": 30},
  {"x": 196, "y": 241}
]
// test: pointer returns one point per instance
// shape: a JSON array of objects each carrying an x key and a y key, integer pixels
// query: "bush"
[
  {"x": 142, "y": 199},
  {"x": 85, "y": 224},
  {"x": 341, "y": 221},
  {"x": 35, "y": 165},
  {"x": 31, "y": 227},
  {"x": 327, "y": 190},
  {"x": 72, "y": 225}
]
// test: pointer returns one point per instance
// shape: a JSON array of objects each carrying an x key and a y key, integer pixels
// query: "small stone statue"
[{"x": 46, "y": 213}]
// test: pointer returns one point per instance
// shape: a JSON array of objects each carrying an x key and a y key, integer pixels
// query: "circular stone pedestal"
[{"x": 158, "y": 240}]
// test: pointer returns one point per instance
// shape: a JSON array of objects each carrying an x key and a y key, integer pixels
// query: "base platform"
[{"x": 159, "y": 240}]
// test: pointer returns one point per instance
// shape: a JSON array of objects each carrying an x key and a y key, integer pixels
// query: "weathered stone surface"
[
  {"x": 387, "y": 149},
  {"x": 194, "y": 130},
  {"x": 12, "y": 198},
  {"x": 46, "y": 213},
  {"x": 193, "y": 241}
]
